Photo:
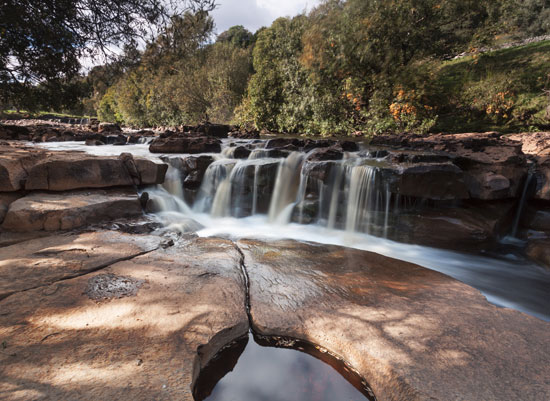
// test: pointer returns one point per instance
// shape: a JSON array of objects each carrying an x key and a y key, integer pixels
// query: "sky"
[{"x": 253, "y": 14}]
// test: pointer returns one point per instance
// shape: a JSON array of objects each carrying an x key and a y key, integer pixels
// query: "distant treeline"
[{"x": 356, "y": 65}]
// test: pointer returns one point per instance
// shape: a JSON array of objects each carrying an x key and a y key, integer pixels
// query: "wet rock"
[
  {"x": 467, "y": 228},
  {"x": 214, "y": 130},
  {"x": 94, "y": 142},
  {"x": 538, "y": 220},
  {"x": 46, "y": 260},
  {"x": 13, "y": 132},
  {"x": 412, "y": 333},
  {"x": 283, "y": 142},
  {"x": 69, "y": 210},
  {"x": 542, "y": 177},
  {"x": 438, "y": 181},
  {"x": 185, "y": 145},
  {"x": 241, "y": 152},
  {"x": 324, "y": 154},
  {"x": 539, "y": 252},
  {"x": 245, "y": 134},
  {"x": 107, "y": 128},
  {"x": 151, "y": 345}
]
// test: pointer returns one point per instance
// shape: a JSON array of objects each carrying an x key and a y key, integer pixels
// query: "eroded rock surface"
[
  {"x": 414, "y": 334},
  {"x": 43, "y": 261},
  {"x": 63, "y": 345}
]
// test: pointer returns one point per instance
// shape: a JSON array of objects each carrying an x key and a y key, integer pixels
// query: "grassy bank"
[{"x": 502, "y": 90}]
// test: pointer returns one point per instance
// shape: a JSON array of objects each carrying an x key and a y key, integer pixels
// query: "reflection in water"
[{"x": 265, "y": 373}]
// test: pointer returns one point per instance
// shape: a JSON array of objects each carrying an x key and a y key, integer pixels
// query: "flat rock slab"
[
  {"x": 44, "y": 261},
  {"x": 412, "y": 333},
  {"x": 29, "y": 168},
  {"x": 184, "y": 304},
  {"x": 54, "y": 211}
]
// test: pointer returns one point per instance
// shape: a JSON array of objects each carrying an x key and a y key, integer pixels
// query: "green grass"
[{"x": 465, "y": 88}]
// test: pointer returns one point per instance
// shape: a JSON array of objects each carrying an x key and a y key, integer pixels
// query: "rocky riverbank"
[{"x": 100, "y": 300}]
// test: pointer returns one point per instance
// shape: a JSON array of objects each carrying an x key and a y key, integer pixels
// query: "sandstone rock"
[
  {"x": 63, "y": 172},
  {"x": 185, "y": 145},
  {"x": 538, "y": 220},
  {"x": 533, "y": 143},
  {"x": 148, "y": 344},
  {"x": 69, "y": 210},
  {"x": 47, "y": 260},
  {"x": 12, "y": 172},
  {"x": 412, "y": 333},
  {"x": 539, "y": 251},
  {"x": 6, "y": 199}
]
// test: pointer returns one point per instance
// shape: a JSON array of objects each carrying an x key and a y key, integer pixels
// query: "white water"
[{"x": 229, "y": 191}]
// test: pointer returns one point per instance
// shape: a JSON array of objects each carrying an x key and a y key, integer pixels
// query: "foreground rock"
[
  {"x": 137, "y": 330},
  {"x": 69, "y": 210},
  {"x": 23, "y": 167},
  {"x": 414, "y": 334},
  {"x": 47, "y": 260}
]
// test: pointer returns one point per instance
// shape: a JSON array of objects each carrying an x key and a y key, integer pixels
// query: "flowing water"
[{"x": 267, "y": 198}]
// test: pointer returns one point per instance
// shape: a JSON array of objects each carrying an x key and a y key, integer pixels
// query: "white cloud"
[{"x": 253, "y": 14}]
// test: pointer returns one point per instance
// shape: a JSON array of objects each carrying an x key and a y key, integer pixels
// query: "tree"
[{"x": 45, "y": 40}]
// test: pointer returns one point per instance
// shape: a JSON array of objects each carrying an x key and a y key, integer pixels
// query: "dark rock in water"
[
  {"x": 542, "y": 176},
  {"x": 94, "y": 142},
  {"x": 108, "y": 128},
  {"x": 306, "y": 212},
  {"x": 185, "y": 145},
  {"x": 214, "y": 130},
  {"x": 348, "y": 146},
  {"x": 245, "y": 134},
  {"x": 323, "y": 154},
  {"x": 282, "y": 142},
  {"x": 241, "y": 152},
  {"x": 441, "y": 181},
  {"x": 539, "y": 252},
  {"x": 537, "y": 220},
  {"x": 108, "y": 286},
  {"x": 310, "y": 144}
]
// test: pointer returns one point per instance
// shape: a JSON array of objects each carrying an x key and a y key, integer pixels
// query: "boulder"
[
  {"x": 107, "y": 128},
  {"x": 12, "y": 172},
  {"x": 538, "y": 220},
  {"x": 438, "y": 181},
  {"x": 66, "y": 171},
  {"x": 533, "y": 143},
  {"x": 140, "y": 329},
  {"x": 6, "y": 199},
  {"x": 185, "y": 145},
  {"x": 324, "y": 154},
  {"x": 413, "y": 334},
  {"x": 69, "y": 210},
  {"x": 244, "y": 134},
  {"x": 283, "y": 142},
  {"x": 13, "y": 132},
  {"x": 542, "y": 177},
  {"x": 214, "y": 130},
  {"x": 539, "y": 251}
]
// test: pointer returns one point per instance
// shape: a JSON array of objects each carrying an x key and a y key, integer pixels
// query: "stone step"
[{"x": 69, "y": 210}]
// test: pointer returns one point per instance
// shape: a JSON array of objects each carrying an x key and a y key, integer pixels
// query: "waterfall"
[
  {"x": 286, "y": 188},
  {"x": 172, "y": 182},
  {"x": 215, "y": 176},
  {"x": 362, "y": 194},
  {"x": 521, "y": 205}
]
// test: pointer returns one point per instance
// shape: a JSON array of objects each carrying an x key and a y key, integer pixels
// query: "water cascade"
[{"x": 286, "y": 189}]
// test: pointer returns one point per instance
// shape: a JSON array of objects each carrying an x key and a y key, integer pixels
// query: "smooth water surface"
[{"x": 279, "y": 374}]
